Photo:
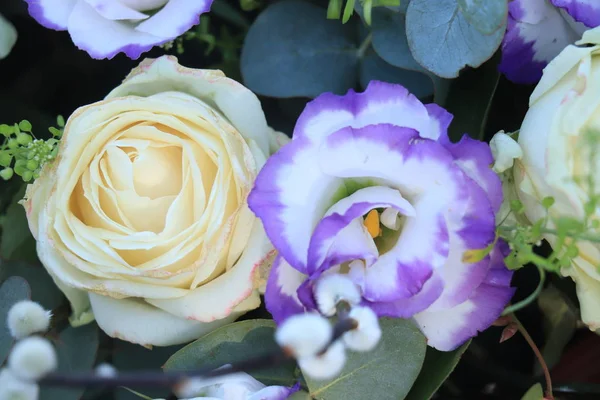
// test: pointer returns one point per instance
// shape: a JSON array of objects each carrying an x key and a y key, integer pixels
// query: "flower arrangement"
[{"x": 298, "y": 200}]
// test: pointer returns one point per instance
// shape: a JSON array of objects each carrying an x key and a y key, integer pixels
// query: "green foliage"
[
  {"x": 335, "y": 7},
  {"x": 437, "y": 367},
  {"x": 534, "y": 393},
  {"x": 16, "y": 241},
  {"x": 12, "y": 290},
  {"x": 233, "y": 343},
  {"x": 43, "y": 289},
  {"x": 487, "y": 16},
  {"x": 443, "y": 40},
  {"x": 76, "y": 349},
  {"x": 391, "y": 368},
  {"x": 22, "y": 154}
]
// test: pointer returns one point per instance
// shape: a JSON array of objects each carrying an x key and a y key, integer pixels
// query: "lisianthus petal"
[
  {"x": 272, "y": 393},
  {"x": 135, "y": 321},
  {"x": 144, "y": 5},
  {"x": 584, "y": 11},
  {"x": 290, "y": 195},
  {"x": 340, "y": 236},
  {"x": 380, "y": 103},
  {"x": 103, "y": 38},
  {"x": 53, "y": 14},
  {"x": 475, "y": 159},
  {"x": 175, "y": 18},
  {"x": 449, "y": 328},
  {"x": 209, "y": 301},
  {"x": 115, "y": 10},
  {"x": 281, "y": 297},
  {"x": 441, "y": 120},
  {"x": 536, "y": 33}
]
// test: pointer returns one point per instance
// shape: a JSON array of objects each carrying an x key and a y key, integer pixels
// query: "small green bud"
[
  {"x": 5, "y": 158},
  {"x": 5, "y": 130},
  {"x": 27, "y": 176},
  {"x": 24, "y": 138},
  {"x": 548, "y": 202},
  {"x": 13, "y": 144},
  {"x": 54, "y": 131},
  {"x": 60, "y": 121},
  {"x": 32, "y": 165},
  {"x": 6, "y": 173},
  {"x": 25, "y": 125},
  {"x": 20, "y": 167}
]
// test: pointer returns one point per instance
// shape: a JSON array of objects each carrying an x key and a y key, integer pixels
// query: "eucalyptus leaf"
[
  {"x": 43, "y": 289},
  {"x": 76, "y": 349},
  {"x": 487, "y": 16},
  {"x": 292, "y": 50},
  {"x": 534, "y": 393},
  {"x": 234, "y": 343},
  {"x": 387, "y": 372},
  {"x": 470, "y": 98},
  {"x": 443, "y": 41},
  {"x": 13, "y": 289},
  {"x": 437, "y": 367},
  {"x": 16, "y": 241},
  {"x": 301, "y": 395}
]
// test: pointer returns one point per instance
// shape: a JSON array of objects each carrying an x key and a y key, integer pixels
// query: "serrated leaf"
[
  {"x": 534, "y": 393},
  {"x": 487, "y": 16},
  {"x": 233, "y": 343},
  {"x": 43, "y": 289},
  {"x": 389, "y": 371},
  {"x": 437, "y": 367},
  {"x": 292, "y": 50},
  {"x": 443, "y": 41},
  {"x": 76, "y": 349},
  {"x": 13, "y": 289}
]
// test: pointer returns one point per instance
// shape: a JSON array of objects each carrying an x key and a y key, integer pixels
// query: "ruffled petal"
[
  {"x": 104, "y": 38},
  {"x": 53, "y": 14},
  {"x": 115, "y": 10},
  {"x": 281, "y": 297},
  {"x": 175, "y": 18},
  {"x": 137, "y": 322},
  {"x": 584, "y": 11},
  {"x": 340, "y": 236},
  {"x": 536, "y": 33},
  {"x": 448, "y": 329}
]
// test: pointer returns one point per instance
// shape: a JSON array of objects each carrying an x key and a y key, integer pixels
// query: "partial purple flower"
[
  {"x": 104, "y": 28},
  {"x": 538, "y": 30},
  {"x": 434, "y": 201}
]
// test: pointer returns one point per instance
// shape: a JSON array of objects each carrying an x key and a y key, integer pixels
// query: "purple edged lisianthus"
[
  {"x": 434, "y": 201},
  {"x": 538, "y": 30},
  {"x": 104, "y": 28}
]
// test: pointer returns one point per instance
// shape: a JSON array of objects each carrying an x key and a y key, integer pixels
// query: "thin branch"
[{"x": 529, "y": 299}]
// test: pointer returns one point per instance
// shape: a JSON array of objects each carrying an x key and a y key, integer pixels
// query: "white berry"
[
  {"x": 368, "y": 332},
  {"x": 304, "y": 334},
  {"x": 27, "y": 317},
  {"x": 12, "y": 388},
  {"x": 327, "y": 365},
  {"x": 32, "y": 357},
  {"x": 331, "y": 289}
]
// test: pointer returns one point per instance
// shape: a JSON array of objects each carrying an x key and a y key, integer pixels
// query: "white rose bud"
[
  {"x": 32, "y": 358},
  {"x": 27, "y": 317},
  {"x": 504, "y": 150},
  {"x": 560, "y": 137}
]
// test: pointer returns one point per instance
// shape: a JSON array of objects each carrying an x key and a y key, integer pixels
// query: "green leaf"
[
  {"x": 391, "y": 44},
  {"x": 76, "y": 349},
  {"x": 43, "y": 289},
  {"x": 487, "y": 16},
  {"x": 534, "y": 393},
  {"x": 443, "y": 41},
  {"x": 292, "y": 50},
  {"x": 389, "y": 371},
  {"x": 233, "y": 343},
  {"x": 301, "y": 395},
  {"x": 16, "y": 241},
  {"x": 13, "y": 289},
  {"x": 470, "y": 99},
  {"x": 130, "y": 357},
  {"x": 437, "y": 367}
]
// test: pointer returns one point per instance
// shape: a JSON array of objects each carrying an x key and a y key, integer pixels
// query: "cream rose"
[
  {"x": 142, "y": 219},
  {"x": 563, "y": 108}
]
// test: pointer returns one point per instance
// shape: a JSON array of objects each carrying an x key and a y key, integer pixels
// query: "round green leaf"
[
  {"x": 437, "y": 367},
  {"x": 487, "y": 16},
  {"x": 16, "y": 242},
  {"x": 292, "y": 50},
  {"x": 234, "y": 343},
  {"x": 13, "y": 289},
  {"x": 76, "y": 349},
  {"x": 443, "y": 41},
  {"x": 43, "y": 289},
  {"x": 389, "y": 39},
  {"x": 389, "y": 371}
]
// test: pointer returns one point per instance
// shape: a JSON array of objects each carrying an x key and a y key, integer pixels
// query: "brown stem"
[{"x": 539, "y": 356}]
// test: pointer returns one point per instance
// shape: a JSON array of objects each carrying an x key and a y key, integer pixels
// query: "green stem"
[
  {"x": 583, "y": 236},
  {"x": 364, "y": 46},
  {"x": 529, "y": 299}
]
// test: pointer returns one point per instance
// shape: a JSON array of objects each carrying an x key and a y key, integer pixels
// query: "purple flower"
[
  {"x": 538, "y": 30},
  {"x": 104, "y": 28},
  {"x": 384, "y": 150}
]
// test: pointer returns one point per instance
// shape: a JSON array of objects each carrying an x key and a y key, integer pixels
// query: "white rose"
[
  {"x": 142, "y": 218},
  {"x": 564, "y": 107}
]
